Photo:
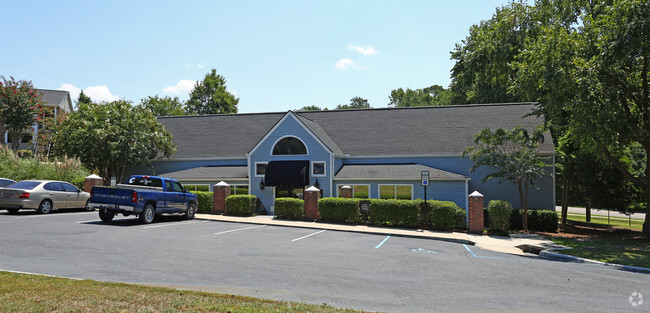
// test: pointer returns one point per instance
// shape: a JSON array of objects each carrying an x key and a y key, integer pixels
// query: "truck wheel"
[
  {"x": 147, "y": 215},
  {"x": 105, "y": 215},
  {"x": 189, "y": 213},
  {"x": 12, "y": 210},
  {"x": 45, "y": 207},
  {"x": 87, "y": 207}
]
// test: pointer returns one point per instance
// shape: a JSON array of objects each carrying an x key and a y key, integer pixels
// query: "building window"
[
  {"x": 239, "y": 190},
  {"x": 197, "y": 187},
  {"x": 358, "y": 191},
  {"x": 289, "y": 145},
  {"x": 400, "y": 192},
  {"x": 318, "y": 168},
  {"x": 260, "y": 169}
]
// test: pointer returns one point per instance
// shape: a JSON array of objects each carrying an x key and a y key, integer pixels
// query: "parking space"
[{"x": 345, "y": 269}]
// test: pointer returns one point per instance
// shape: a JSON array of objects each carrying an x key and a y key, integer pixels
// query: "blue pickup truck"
[{"x": 144, "y": 196}]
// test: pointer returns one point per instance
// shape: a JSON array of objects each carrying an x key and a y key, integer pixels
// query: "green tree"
[
  {"x": 312, "y": 108},
  {"x": 20, "y": 107},
  {"x": 113, "y": 137},
  {"x": 211, "y": 97},
  {"x": 429, "y": 96},
  {"x": 514, "y": 155},
  {"x": 83, "y": 98},
  {"x": 355, "y": 103},
  {"x": 165, "y": 106}
]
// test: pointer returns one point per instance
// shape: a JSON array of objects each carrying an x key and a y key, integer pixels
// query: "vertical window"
[
  {"x": 318, "y": 168},
  {"x": 260, "y": 169},
  {"x": 239, "y": 189},
  {"x": 400, "y": 192}
]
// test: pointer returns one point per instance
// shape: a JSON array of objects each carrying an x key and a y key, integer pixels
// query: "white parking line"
[
  {"x": 232, "y": 230},
  {"x": 51, "y": 215},
  {"x": 172, "y": 224},
  {"x": 303, "y": 237}
]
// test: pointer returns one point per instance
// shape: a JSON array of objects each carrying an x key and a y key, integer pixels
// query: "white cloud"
[
  {"x": 346, "y": 64},
  {"x": 365, "y": 50},
  {"x": 74, "y": 91},
  {"x": 100, "y": 94},
  {"x": 184, "y": 86},
  {"x": 96, "y": 93}
]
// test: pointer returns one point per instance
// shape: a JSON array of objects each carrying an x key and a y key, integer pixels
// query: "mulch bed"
[{"x": 586, "y": 232}]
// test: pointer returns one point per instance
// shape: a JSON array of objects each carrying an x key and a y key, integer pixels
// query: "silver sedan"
[{"x": 42, "y": 196}]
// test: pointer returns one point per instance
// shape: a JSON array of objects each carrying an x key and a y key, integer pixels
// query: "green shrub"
[
  {"x": 289, "y": 208},
  {"x": 538, "y": 220},
  {"x": 339, "y": 210},
  {"x": 65, "y": 169},
  {"x": 25, "y": 154},
  {"x": 205, "y": 201},
  {"x": 499, "y": 211},
  {"x": 442, "y": 215},
  {"x": 397, "y": 213},
  {"x": 241, "y": 205},
  {"x": 460, "y": 218}
]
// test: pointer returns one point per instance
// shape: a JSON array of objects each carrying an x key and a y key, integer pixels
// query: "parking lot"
[{"x": 342, "y": 269}]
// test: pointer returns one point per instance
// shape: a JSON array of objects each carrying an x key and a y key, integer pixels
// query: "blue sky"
[{"x": 275, "y": 55}]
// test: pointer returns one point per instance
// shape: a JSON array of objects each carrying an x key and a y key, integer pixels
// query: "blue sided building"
[{"x": 380, "y": 153}]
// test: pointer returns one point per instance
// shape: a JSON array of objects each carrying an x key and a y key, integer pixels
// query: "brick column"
[
  {"x": 346, "y": 192},
  {"x": 312, "y": 195},
  {"x": 91, "y": 181},
  {"x": 221, "y": 192},
  {"x": 475, "y": 214}
]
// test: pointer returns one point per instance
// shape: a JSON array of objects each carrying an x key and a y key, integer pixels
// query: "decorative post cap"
[
  {"x": 476, "y": 194},
  {"x": 222, "y": 184},
  {"x": 312, "y": 188},
  {"x": 93, "y": 176}
]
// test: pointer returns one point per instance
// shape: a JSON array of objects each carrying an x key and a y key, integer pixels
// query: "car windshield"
[
  {"x": 145, "y": 181},
  {"x": 25, "y": 184}
]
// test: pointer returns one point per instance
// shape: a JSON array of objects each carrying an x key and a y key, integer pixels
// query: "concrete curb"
[
  {"x": 563, "y": 257},
  {"x": 323, "y": 226}
]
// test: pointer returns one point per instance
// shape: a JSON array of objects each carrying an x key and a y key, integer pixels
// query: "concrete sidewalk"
[{"x": 494, "y": 243}]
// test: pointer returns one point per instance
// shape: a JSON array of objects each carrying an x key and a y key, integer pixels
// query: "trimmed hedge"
[
  {"x": 241, "y": 205},
  {"x": 289, "y": 208},
  {"x": 460, "y": 218},
  {"x": 396, "y": 213},
  {"x": 499, "y": 211},
  {"x": 205, "y": 201},
  {"x": 343, "y": 210},
  {"x": 538, "y": 220},
  {"x": 442, "y": 216}
]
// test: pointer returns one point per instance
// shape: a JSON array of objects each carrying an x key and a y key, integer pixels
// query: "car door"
[
  {"x": 170, "y": 197},
  {"x": 57, "y": 194},
  {"x": 75, "y": 199},
  {"x": 179, "y": 203}
]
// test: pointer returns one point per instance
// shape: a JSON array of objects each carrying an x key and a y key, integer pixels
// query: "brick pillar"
[
  {"x": 312, "y": 195},
  {"x": 221, "y": 192},
  {"x": 475, "y": 214},
  {"x": 91, "y": 181},
  {"x": 346, "y": 192}
]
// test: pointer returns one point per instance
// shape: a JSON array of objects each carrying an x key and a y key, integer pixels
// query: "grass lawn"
[
  {"x": 34, "y": 293},
  {"x": 625, "y": 252},
  {"x": 634, "y": 223}
]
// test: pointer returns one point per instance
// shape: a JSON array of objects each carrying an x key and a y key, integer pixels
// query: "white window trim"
[
  {"x": 190, "y": 184},
  {"x": 287, "y": 136},
  {"x": 338, "y": 186},
  {"x": 235, "y": 189},
  {"x": 324, "y": 169},
  {"x": 255, "y": 169},
  {"x": 395, "y": 190}
]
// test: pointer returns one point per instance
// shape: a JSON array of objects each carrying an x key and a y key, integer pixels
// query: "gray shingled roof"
[
  {"x": 441, "y": 130},
  {"x": 218, "y": 136},
  {"x": 393, "y": 172},
  {"x": 210, "y": 172},
  {"x": 54, "y": 97}
]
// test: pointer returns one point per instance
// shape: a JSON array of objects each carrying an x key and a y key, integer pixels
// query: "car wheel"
[
  {"x": 45, "y": 207},
  {"x": 88, "y": 208},
  {"x": 189, "y": 213},
  {"x": 105, "y": 215},
  {"x": 12, "y": 211},
  {"x": 147, "y": 215}
]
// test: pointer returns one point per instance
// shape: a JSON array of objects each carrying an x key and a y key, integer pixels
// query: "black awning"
[{"x": 287, "y": 173}]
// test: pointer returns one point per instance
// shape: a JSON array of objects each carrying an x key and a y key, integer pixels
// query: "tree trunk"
[
  {"x": 565, "y": 198},
  {"x": 525, "y": 215},
  {"x": 524, "y": 219},
  {"x": 646, "y": 223}
]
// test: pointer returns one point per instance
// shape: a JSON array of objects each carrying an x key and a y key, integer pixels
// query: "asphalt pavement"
[{"x": 367, "y": 271}]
